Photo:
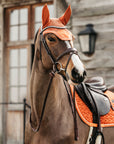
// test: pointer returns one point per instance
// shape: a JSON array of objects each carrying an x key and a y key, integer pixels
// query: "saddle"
[
  {"x": 92, "y": 94},
  {"x": 95, "y": 105},
  {"x": 94, "y": 102}
]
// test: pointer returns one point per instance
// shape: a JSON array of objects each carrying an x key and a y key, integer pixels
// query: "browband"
[{"x": 42, "y": 30}]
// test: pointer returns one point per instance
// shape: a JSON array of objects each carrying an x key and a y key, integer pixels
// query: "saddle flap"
[
  {"x": 101, "y": 101},
  {"x": 95, "y": 99}
]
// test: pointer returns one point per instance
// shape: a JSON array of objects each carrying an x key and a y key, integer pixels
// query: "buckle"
[{"x": 56, "y": 69}]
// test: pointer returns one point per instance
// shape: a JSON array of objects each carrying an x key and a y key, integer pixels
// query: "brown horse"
[{"x": 54, "y": 51}]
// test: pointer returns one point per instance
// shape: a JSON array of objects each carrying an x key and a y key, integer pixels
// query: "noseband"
[{"x": 56, "y": 62}]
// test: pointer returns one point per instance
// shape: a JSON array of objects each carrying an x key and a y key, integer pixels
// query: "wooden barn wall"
[{"x": 101, "y": 14}]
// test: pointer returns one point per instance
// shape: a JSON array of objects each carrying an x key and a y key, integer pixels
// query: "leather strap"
[
  {"x": 44, "y": 105},
  {"x": 75, "y": 117},
  {"x": 47, "y": 49},
  {"x": 55, "y": 61},
  {"x": 69, "y": 50},
  {"x": 85, "y": 90},
  {"x": 73, "y": 108},
  {"x": 42, "y": 30}
]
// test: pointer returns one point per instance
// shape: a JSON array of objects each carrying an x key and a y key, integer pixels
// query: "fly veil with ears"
[{"x": 57, "y": 27}]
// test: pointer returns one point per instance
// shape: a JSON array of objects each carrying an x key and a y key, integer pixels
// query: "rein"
[{"x": 56, "y": 62}]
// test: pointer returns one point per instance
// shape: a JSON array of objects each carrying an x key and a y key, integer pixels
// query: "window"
[
  {"x": 21, "y": 25},
  {"x": 18, "y": 24},
  {"x": 18, "y": 74},
  {"x": 23, "y": 22}
]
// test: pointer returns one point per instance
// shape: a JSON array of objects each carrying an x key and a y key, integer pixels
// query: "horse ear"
[
  {"x": 66, "y": 16},
  {"x": 45, "y": 15}
]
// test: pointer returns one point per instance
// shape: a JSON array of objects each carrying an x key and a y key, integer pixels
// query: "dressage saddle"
[{"x": 92, "y": 94}]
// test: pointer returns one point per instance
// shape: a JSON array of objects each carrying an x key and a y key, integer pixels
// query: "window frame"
[
  {"x": 19, "y": 107},
  {"x": 31, "y": 21},
  {"x": 19, "y": 44},
  {"x": 7, "y": 23}
]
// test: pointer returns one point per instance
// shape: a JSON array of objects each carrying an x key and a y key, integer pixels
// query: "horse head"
[{"x": 56, "y": 47}]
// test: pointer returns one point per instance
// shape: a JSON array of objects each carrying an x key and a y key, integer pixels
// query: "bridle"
[{"x": 56, "y": 62}]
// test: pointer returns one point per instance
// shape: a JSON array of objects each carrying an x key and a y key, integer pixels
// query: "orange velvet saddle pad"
[{"x": 86, "y": 115}]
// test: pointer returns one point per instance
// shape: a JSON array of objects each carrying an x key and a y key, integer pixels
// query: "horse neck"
[{"x": 57, "y": 93}]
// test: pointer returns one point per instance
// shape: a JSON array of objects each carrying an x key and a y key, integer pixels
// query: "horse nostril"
[
  {"x": 74, "y": 73},
  {"x": 84, "y": 74},
  {"x": 78, "y": 78}
]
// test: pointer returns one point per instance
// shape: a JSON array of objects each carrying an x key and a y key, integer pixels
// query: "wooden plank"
[
  {"x": 109, "y": 81},
  {"x": 90, "y": 3},
  {"x": 101, "y": 59},
  {"x": 107, "y": 74},
  {"x": 105, "y": 45},
  {"x": 106, "y": 27},
  {"x": 82, "y": 21},
  {"x": 105, "y": 37},
  {"x": 85, "y": 10},
  {"x": 100, "y": 28},
  {"x": 105, "y": 41}
]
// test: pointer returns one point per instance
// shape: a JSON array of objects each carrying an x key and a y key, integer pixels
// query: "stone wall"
[{"x": 101, "y": 14}]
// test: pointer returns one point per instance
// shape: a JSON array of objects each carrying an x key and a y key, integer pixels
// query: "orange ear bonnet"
[{"x": 63, "y": 34}]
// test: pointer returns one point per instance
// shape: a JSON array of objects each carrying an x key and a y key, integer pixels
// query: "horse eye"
[{"x": 51, "y": 39}]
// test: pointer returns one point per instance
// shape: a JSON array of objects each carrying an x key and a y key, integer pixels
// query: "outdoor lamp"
[{"x": 87, "y": 39}]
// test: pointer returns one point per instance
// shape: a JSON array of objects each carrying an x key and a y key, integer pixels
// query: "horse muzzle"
[
  {"x": 76, "y": 72},
  {"x": 77, "y": 77}
]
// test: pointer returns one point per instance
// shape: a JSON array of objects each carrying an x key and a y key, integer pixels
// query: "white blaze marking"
[{"x": 78, "y": 64}]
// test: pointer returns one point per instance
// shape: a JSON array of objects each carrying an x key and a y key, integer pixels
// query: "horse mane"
[{"x": 35, "y": 38}]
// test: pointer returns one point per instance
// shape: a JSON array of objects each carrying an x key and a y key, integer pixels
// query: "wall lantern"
[{"x": 87, "y": 39}]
